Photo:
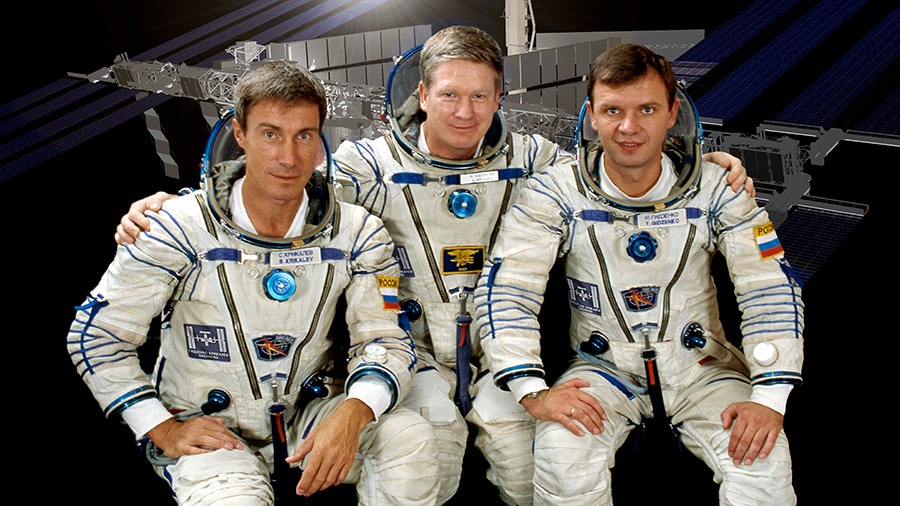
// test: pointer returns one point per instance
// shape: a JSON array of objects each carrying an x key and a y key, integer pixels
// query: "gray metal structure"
[{"x": 544, "y": 92}]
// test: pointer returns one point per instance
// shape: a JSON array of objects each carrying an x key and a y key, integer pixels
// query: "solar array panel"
[
  {"x": 810, "y": 235},
  {"x": 886, "y": 118},
  {"x": 759, "y": 71},
  {"x": 844, "y": 81},
  {"x": 733, "y": 34}
]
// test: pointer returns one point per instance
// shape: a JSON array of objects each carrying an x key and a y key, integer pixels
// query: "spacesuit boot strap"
[
  {"x": 463, "y": 371},
  {"x": 284, "y": 478}
]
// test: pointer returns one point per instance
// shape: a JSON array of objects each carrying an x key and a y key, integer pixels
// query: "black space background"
[{"x": 59, "y": 218}]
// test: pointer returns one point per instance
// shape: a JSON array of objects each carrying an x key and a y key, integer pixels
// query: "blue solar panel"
[
  {"x": 760, "y": 70},
  {"x": 733, "y": 34},
  {"x": 841, "y": 84},
  {"x": 810, "y": 235},
  {"x": 885, "y": 118}
]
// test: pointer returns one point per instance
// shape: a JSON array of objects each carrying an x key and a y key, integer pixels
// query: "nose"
[
  {"x": 288, "y": 154},
  {"x": 464, "y": 109},
  {"x": 629, "y": 124}
]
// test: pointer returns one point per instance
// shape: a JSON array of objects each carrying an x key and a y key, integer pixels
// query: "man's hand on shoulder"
[
  {"x": 565, "y": 402},
  {"x": 737, "y": 175},
  {"x": 134, "y": 221},
  {"x": 332, "y": 447},
  {"x": 754, "y": 429},
  {"x": 201, "y": 434}
]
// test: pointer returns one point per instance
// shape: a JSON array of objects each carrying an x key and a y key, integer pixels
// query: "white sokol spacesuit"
[
  {"x": 443, "y": 216},
  {"x": 639, "y": 277},
  {"x": 249, "y": 315}
]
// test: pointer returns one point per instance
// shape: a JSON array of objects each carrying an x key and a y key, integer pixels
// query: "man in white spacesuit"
[
  {"x": 441, "y": 182},
  {"x": 246, "y": 274},
  {"x": 637, "y": 222}
]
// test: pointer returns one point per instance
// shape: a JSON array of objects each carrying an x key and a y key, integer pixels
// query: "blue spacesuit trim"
[
  {"x": 96, "y": 361},
  {"x": 614, "y": 382},
  {"x": 532, "y": 152},
  {"x": 180, "y": 229},
  {"x": 567, "y": 211},
  {"x": 310, "y": 426},
  {"x": 379, "y": 185},
  {"x": 375, "y": 271},
  {"x": 492, "y": 273},
  {"x": 765, "y": 289},
  {"x": 128, "y": 399},
  {"x": 160, "y": 267},
  {"x": 159, "y": 371},
  {"x": 595, "y": 215},
  {"x": 511, "y": 294},
  {"x": 502, "y": 378},
  {"x": 789, "y": 272},
  {"x": 743, "y": 222},
  {"x": 90, "y": 363},
  {"x": 719, "y": 204},
  {"x": 352, "y": 178},
  {"x": 742, "y": 380},
  {"x": 381, "y": 372},
  {"x": 359, "y": 249},
  {"x": 187, "y": 251},
  {"x": 792, "y": 321},
  {"x": 777, "y": 377}
]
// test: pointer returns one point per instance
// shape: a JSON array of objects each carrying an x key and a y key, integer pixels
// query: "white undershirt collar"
[
  {"x": 660, "y": 190},
  {"x": 242, "y": 219}
]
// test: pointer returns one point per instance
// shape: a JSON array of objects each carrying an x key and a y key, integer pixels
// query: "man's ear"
[
  {"x": 238, "y": 132},
  {"x": 673, "y": 113},
  {"x": 422, "y": 98},
  {"x": 590, "y": 111}
]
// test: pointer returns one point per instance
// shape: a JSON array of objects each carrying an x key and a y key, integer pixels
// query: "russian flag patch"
[
  {"x": 390, "y": 292},
  {"x": 766, "y": 240}
]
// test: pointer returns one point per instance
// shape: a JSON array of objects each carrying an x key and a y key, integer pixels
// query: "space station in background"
[{"x": 544, "y": 90}]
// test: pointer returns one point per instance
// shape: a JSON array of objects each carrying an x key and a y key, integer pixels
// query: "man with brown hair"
[
  {"x": 637, "y": 222},
  {"x": 246, "y": 274}
]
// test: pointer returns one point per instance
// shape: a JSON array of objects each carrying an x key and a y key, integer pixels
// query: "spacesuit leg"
[
  {"x": 238, "y": 477},
  {"x": 766, "y": 481},
  {"x": 505, "y": 438},
  {"x": 569, "y": 469},
  {"x": 395, "y": 460},
  {"x": 431, "y": 396}
]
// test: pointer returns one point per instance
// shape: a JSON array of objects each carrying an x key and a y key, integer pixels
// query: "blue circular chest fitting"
[
  {"x": 462, "y": 203},
  {"x": 597, "y": 344},
  {"x": 412, "y": 308},
  {"x": 692, "y": 336},
  {"x": 279, "y": 285},
  {"x": 642, "y": 247}
]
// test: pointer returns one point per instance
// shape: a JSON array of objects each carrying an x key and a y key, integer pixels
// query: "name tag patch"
[
  {"x": 671, "y": 218},
  {"x": 462, "y": 260},
  {"x": 584, "y": 296},
  {"x": 767, "y": 241},
  {"x": 295, "y": 257},
  {"x": 479, "y": 177},
  {"x": 402, "y": 258},
  {"x": 206, "y": 342},
  {"x": 390, "y": 288},
  {"x": 274, "y": 347},
  {"x": 641, "y": 298}
]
